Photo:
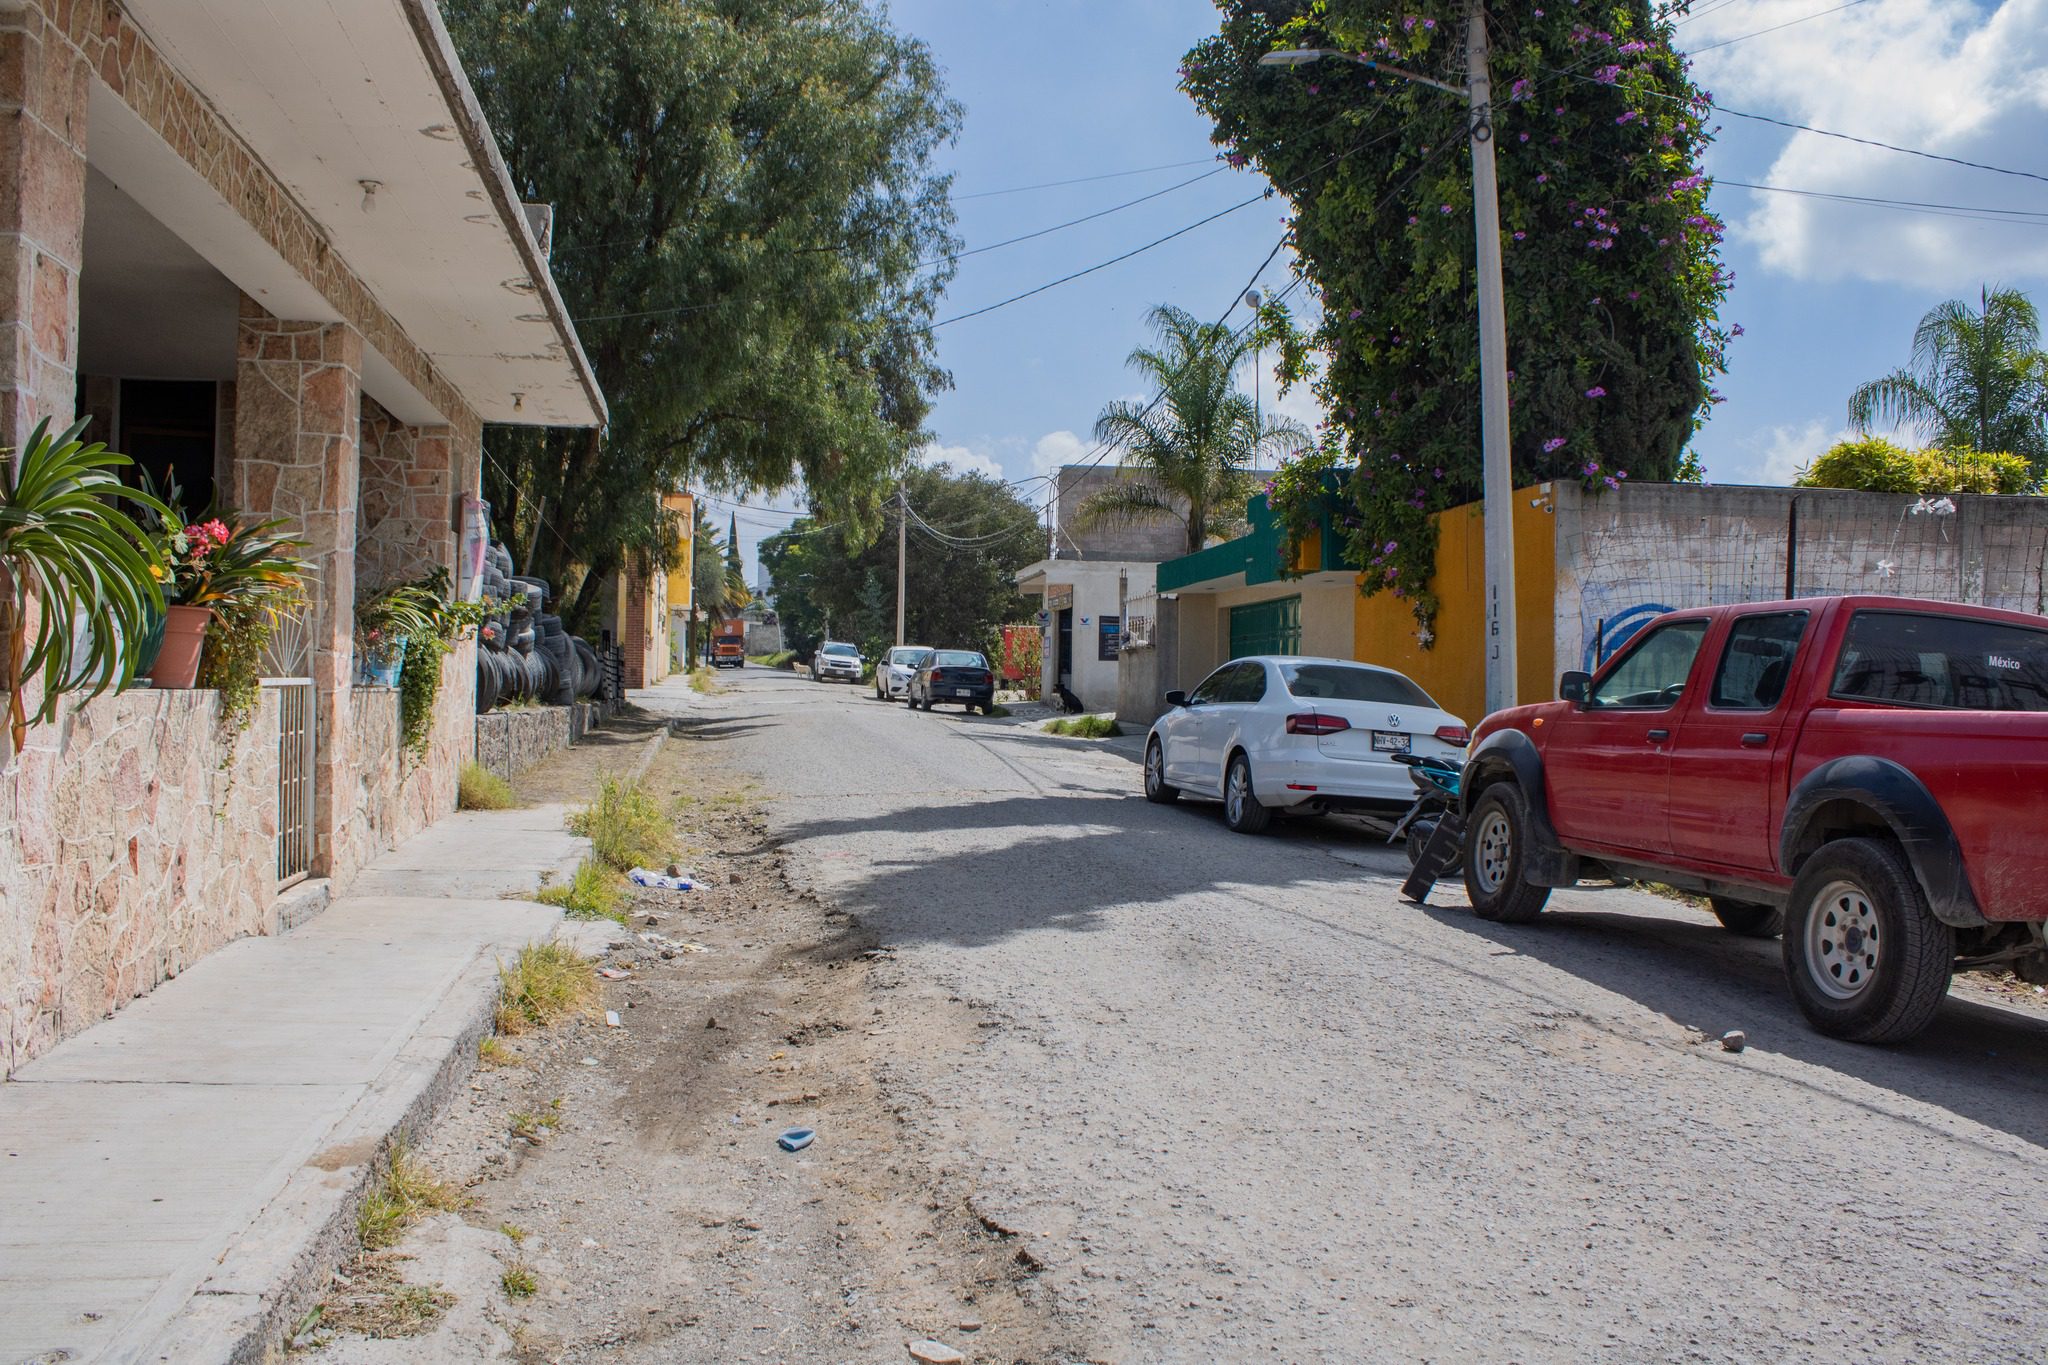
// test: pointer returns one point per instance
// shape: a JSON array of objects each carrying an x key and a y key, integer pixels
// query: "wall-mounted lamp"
[{"x": 370, "y": 188}]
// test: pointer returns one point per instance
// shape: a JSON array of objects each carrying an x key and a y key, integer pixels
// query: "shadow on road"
[{"x": 1982, "y": 1063}]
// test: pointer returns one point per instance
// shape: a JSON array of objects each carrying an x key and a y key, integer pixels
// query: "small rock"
[
  {"x": 935, "y": 1353},
  {"x": 651, "y": 921},
  {"x": 1734, "y": 1040},
  {"x": 969, "y": 1324},
  {"x": 711, "y": 1023},
  {"x": 674, "y": 871}
]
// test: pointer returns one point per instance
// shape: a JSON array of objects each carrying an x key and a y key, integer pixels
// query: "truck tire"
[
  {"x": 1496, "y": 847},
  {"x": 1865, "y": 957},
  {"x": 1747, "y": 918}
]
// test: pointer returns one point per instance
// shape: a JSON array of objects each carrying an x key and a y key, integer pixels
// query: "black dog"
[{"x": 1068, "y": 701}]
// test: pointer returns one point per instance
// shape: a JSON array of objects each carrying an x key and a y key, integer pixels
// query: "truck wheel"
[
  {"x": 1157, "y": 791},
  {"x": 1242, "y": 810},
  {"x": 1747, "y": 918},
  {"x": 1496, "y": 843},
  {"x": 1865, "y": 957}
]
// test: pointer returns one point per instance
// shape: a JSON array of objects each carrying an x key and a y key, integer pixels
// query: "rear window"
[
  {"x": 842, "y": 650},
  {"x": 1953, "y": 662},
  {"x": 959, "y": 658},
  {"x": 1335, "y": 682},
  {"x": 908, "y": 655}
]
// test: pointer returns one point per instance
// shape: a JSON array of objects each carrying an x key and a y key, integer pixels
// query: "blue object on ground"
[{"x": 796, "y": 1139}]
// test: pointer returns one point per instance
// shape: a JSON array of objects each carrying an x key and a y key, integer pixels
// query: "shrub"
[
  {"x": 545, "y": 984},
  {"x": 405, "y": 1192},
  {"x": 625, "y": 826},
  {"x": 591, "y": 893},
  {"x": 1875, "y": 465},
  {"x": 1085, "y": 727},
  {"x": 478, "y": 788}
]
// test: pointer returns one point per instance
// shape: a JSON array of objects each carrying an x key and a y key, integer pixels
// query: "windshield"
[
  {"x": 907, "y": 655},
  {"x": 1338, "y": 682},
  {"x": 959, "y": 658},
  {"x": 846, "y": 650}
]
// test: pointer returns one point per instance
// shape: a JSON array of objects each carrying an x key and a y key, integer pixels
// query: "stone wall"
[
  {"x": 132, "y": 843},
  {"x": 509, "y": 742},
  {"x": 392, "y": 795}
]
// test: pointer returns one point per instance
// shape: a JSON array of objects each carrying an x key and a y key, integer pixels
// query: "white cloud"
[
  {"x": 1947, "y": 76},
  {"x": 960, "y": 459},
  {"x": 1058, "y": 448},
  {"x": 1775, "y": 455}
]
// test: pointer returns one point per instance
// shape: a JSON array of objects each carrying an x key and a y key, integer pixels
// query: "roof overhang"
[{"x": 331, "y": 94}]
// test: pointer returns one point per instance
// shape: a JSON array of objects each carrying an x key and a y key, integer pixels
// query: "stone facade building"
[{"x": 269, "y": 249}]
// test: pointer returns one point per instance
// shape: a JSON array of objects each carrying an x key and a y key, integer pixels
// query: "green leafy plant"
[
  {"x": 545, "y": 984},
  {"x": 1875, "y": 465},
  {"x": 422, "y": 618},
  {"x": 1978, "y": 381},
  {"x": 626, "y": 827},
  {"x": 1084, "y": 727},
  {"x": 88, "y": 574}
]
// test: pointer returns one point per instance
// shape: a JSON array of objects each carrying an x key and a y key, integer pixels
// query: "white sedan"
[
  {"x": 1280, "y": 733},
  {"x": 894, "y": 670}
]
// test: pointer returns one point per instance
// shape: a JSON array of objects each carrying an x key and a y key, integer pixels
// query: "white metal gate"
[{"x": 295, "y": 740}]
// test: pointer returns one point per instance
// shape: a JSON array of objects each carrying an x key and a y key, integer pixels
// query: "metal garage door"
[{"x": 1266, "y": 628}]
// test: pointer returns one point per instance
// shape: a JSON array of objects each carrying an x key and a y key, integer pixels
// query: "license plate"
[
  {"x": 1389, "y": 742},
  {"x": 963, "y": 691}
]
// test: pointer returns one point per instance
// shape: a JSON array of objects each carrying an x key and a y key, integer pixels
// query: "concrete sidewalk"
[{"x": 178, "y": 1181}]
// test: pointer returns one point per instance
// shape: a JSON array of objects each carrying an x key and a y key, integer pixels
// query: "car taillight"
[
  {"x": 1454, "y": 734},
  {"x": 1310, "y": 723}
]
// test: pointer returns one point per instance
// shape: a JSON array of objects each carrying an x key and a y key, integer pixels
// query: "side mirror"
[
  {"x": 1176, "y": 698},
  {"x": 1574, "y": 686}
]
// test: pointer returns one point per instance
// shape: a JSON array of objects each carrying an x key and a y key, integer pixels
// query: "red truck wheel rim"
[{"x": 1842, "y": 941}]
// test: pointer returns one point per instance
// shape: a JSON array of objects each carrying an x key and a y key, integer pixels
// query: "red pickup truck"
[{"x": 1866, "y": 775}]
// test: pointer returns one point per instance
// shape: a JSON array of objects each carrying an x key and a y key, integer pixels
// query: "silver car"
[
  {"x": 836, "y": 661},
  {"x": 895, "y": 670}
]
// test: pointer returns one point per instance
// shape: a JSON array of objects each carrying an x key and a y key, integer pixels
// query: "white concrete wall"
[{"x": 1095, "y": 586}]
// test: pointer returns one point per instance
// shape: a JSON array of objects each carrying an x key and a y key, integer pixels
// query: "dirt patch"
[
  {"x": 572, "y": 774},
  {"x": 654, "y": 1211}
]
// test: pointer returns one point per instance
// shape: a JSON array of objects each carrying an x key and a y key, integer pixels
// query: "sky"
[{"x": 1827, "y": 291}]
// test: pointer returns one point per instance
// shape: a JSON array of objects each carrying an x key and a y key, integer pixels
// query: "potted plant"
[
  {"x": 386, "y": 621},
  {"x": 81, "y": 579},
  {"x": 188, "y": 604}
]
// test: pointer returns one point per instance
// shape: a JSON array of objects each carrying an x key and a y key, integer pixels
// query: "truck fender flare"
[
  {"x": 1510, "y": 755},
  {"x": 1890, "y": 792}
]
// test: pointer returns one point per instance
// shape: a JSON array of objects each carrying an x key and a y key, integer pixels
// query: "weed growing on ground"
[
  {"x": 374, "y": 1302},
  {"x": 1084, "y": 727},
  {"x": 513, "y": 1231},
  {"x": 406, "y": 1191},
  {"x": 545, "y": 984},
  {"x": 626, "y": 827},
  {"x": 493, "y": 1052},
  {"x": 592, "y": 893},
  {"x": 478, "y": 788},
  {"x": 999, "y": 711},
  {"x": 702, "y": 680},
  {"x": 532, "y": 1125},
  {"x": 518, "y": 1281}
]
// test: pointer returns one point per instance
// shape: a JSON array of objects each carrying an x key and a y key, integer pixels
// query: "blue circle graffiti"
[{"x": 1621, "y": 628}]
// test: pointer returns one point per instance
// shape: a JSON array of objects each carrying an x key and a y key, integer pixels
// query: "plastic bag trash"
[
  {"x": 611, "y": 1019},
  {"x": 643, "y": 876},
  {"x": 612, "y": 973},
  {"x": 795, "y": 1139}
]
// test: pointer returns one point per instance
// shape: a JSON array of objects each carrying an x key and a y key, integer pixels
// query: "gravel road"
[{"x": 1243, "y": 1103}]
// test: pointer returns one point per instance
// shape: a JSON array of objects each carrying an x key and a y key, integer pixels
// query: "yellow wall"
[
  {"x": 679, "y": 578},
  {"x": 1453, "y": 670}
]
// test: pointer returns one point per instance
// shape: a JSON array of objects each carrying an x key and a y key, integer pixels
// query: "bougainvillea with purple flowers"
[{"x": 1610, "y": 254}]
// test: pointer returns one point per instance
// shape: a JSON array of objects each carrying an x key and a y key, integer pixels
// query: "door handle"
[
  {"x": 1659, "y": 736},
  {"x": 1755, "y": 740}
]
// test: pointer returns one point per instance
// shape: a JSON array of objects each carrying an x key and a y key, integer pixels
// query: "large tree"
[
  {"x": 746, "y": 207},
  {"x": 968, "y": 536},
  {"x": 1196, "y": 444},
  {"x": 1978, "y": 380},
  {"x": 1611, "y": 259}
]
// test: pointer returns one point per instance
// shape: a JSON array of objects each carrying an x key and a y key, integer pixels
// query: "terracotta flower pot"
[{"x": 177, "y": 663}]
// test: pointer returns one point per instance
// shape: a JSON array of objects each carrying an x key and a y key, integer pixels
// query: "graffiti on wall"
[{"x": 1605, "y": 635}]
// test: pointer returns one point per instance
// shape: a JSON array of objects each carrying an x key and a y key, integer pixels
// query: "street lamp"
[
  {"x": 1498, "y": 474},
  {"x": 1252, "y": 299}
]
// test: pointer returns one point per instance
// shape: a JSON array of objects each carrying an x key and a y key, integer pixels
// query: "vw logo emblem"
[{"x": 1394, "y": 721}]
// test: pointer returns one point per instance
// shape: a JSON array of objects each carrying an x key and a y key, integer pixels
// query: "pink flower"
[
  {"x": 1596, "y": 392},
  {"x": 1554, "y": 444},
  {"x": 1520, "y": 235},
  {"x": 1357, "y": 313},
  {"x": 217, "y": 531}
]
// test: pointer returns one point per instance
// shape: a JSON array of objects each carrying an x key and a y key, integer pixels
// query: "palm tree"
[
  {"x": 1978, "y": 380},
  {"x": 1197, "y": 443},
  {"x": 718, "y": 589}
]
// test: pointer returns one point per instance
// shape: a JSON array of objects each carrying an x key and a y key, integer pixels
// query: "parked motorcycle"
[{"x": 1436, "y": 795}]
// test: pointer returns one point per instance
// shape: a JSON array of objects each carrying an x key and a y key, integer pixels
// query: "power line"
[
  {"x": 1071, "y": 222},
  {"x": 1082, "y": 180},
  {"x": 2020, "y": 217},
  {"x": 1702, "y": 13},
  {"x": 1729, "y": 42},
  {"x": 1819, "y": 132}
]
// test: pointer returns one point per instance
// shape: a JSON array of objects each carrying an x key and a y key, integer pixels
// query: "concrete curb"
[
  {"x": 278, "y": 1266},
  {"x": 650, "y": 751}
]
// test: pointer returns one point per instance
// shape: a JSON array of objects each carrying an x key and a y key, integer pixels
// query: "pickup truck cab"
[{"x": 1868, "y": 775}]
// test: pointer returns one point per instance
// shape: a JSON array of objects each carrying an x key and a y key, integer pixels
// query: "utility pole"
[
  {"x": 902, "y": 555},
  {"x": 1498, "y": 472}
]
